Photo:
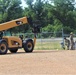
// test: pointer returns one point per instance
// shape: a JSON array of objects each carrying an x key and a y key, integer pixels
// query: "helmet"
[{"x": 71, "y": 33}]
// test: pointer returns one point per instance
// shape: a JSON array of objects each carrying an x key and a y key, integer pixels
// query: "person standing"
[{"x": 71, "y": 41}]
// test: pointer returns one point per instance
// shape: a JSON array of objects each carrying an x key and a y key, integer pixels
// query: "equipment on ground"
[{"x": 13, "y": 43}]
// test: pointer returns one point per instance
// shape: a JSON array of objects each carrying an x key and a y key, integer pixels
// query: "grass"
[{"x": 55, "y": 45}]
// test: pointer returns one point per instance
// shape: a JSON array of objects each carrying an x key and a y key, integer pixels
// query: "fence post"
[{"x": 63, "y": 38}]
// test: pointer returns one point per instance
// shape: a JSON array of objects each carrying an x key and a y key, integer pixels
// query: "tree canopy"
[{"x": 53, "y": 15}]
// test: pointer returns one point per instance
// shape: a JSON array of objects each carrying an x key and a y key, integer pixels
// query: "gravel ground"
[{"x": 39, "y": 62}]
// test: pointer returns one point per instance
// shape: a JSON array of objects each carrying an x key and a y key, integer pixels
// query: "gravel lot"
[{"x": 39, "y": 62}]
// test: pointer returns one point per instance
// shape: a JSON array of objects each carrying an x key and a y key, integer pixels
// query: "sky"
[{"x": 23, "y": 3}]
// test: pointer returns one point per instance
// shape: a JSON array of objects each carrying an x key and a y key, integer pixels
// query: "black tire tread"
[
  {"x": 26, "y": 48},
  {"x": 6, "y": 47}
]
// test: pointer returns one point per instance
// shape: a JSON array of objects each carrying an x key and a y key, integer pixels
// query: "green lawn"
[{"x": 55, "y": 45}]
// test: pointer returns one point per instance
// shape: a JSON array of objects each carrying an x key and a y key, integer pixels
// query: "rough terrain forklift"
[{"x": 13, "y": 43}]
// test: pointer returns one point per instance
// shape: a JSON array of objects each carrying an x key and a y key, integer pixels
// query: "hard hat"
[{"x": 71, "y": 33}]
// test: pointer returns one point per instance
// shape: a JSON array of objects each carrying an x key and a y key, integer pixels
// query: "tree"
[
  {"x": 36, "y": 10},
  {"x": 15, "y": 11},
  {"x": 4, "y": 6},
  {"x": 10, "y": 10},
  {"x": 64, "y": 11}
]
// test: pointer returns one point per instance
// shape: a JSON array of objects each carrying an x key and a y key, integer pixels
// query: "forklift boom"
[{"x": 13, "y": 23}]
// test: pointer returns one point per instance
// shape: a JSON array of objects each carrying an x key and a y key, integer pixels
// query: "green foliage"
[
  {"x": 15, "y": 11},
  {"x": 10, "y": 10},
  {"x": 63, "y": 11},
  {"x": 67, "y": 29},
  {"x": 4, "y": 6},
  {"x": 48, "y": 28},
  {"x": 52, "y": 15}
]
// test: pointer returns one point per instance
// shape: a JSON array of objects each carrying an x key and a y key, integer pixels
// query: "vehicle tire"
[
  {"x": 28, "y": 46},
  {"x": 3, "y": 47},
  {"x": 13, "y": 50}
]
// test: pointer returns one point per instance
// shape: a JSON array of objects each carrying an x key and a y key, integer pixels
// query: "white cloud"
[{"x": 23, "y": 4}]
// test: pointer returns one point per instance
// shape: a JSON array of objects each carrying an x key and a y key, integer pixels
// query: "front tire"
[
  {"x": 28, "y": 46},
  {"x": 3, "y": 47}
]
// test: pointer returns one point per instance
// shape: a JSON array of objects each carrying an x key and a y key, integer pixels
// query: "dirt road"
[{"x": 40, "y": 62}]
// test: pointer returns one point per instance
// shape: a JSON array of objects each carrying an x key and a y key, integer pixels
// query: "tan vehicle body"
[
  {"x": 12, "y": 42},
  {"x": 13, "y": 23}
]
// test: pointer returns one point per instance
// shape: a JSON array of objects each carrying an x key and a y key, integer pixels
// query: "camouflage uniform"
[
  {"x": 67, "y": 43},
  {"x": 71, "y": 41}
]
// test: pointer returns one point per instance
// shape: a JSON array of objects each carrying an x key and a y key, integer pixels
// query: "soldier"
[
  {"x": 71, "y": 41},
  {"x": 67, "y": 43},
  {"x": 62, "y": 45}
]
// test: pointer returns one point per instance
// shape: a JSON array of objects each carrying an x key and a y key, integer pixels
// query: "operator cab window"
[{"x": 7, "y": 33}]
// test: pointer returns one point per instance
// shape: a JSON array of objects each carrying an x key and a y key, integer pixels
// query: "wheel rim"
[
  {"x": 29, "y": 45},
  {"x": 3, "y": 47}
]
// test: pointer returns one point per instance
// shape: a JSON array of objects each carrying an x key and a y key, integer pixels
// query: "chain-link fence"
[
  {"x": 46, "y": 40},
  {"x": 48, "y": 44}
]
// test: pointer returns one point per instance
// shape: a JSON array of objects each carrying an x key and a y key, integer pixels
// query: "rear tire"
[
  {"x": 3, "y": 47},
  {"x": 13, "y": 50},
  {"x": 28, "y": 46}
]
